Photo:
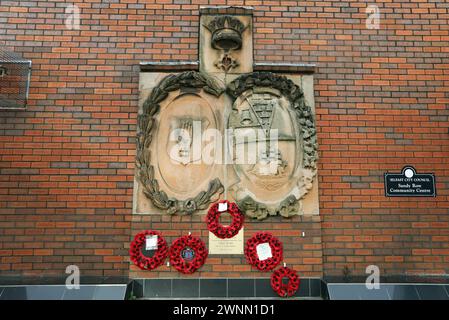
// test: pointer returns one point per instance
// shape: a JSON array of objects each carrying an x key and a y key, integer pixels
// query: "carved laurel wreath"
[
  {"x": 145, "y": 131},
  {"x": 295, "y": 95}
]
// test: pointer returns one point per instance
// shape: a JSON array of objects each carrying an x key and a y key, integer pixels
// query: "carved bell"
[
  {"x": 226, "y": 33},
  {"x": 246, "y": 117}
]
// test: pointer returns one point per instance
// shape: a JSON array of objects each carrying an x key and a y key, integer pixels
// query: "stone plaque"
[
  {"x": 233, "y": 245},
  {"x": 226, "y": 132},
  {"x": 271, "y": 122},
  {"x": 226, "y": 44},
  {"x": 172, "y": 122}
]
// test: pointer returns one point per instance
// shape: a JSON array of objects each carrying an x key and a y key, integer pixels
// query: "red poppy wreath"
[
  {"x": 187, "y": 254},
  {"x": 282, "y": 289},
  {"x": 263, "y": 243},
  {"x": 142, "y": 261},
  {"x": 221, "y": 231}
]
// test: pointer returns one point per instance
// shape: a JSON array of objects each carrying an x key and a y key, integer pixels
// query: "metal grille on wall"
[{"x": 15, "y": 73}]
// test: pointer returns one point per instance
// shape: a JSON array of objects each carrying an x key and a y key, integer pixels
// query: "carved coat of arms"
[{"x": 226, "y": 131}]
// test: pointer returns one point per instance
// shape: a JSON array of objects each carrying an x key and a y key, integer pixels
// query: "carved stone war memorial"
[
  {"x": 185, "y": 150},
  {"x": 268, "y": 162},
  {"x": 226, "y": 134}
]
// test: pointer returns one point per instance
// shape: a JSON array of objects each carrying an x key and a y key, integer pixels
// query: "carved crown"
[{"x": 226, "y": 32}]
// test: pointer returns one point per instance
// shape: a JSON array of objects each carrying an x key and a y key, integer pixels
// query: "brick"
[{"x": 66, "y": 163}]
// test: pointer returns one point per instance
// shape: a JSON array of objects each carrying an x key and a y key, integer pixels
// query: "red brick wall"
[{"x": 66, "y": 164}]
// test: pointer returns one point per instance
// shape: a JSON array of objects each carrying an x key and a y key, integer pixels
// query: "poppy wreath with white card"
[
  {"x": 150, "y": 240},
  {"x": 285, "y": 290},
  {"x": 187, "y": 254},
  {"x": 263, "y": 251},
  {"x": 213, "y": 216}
]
